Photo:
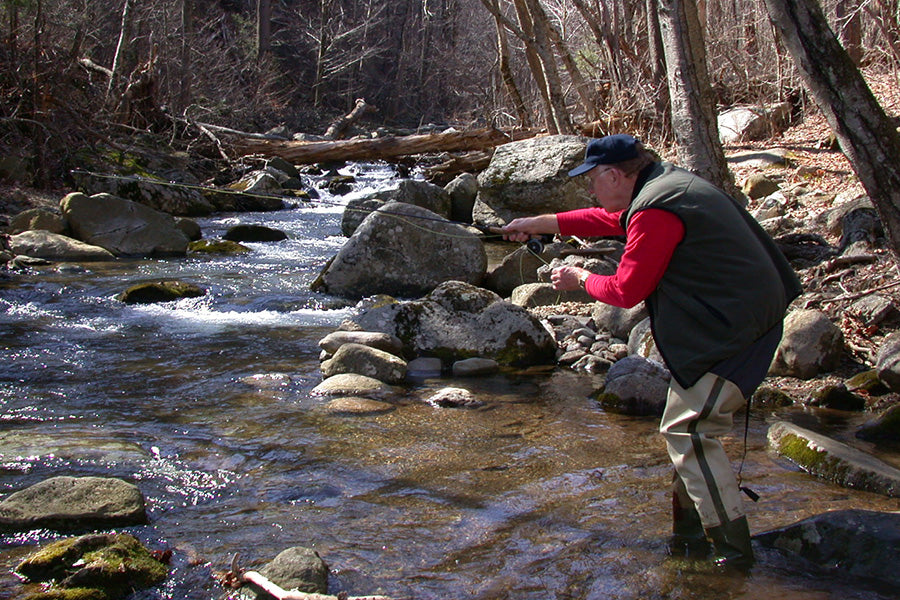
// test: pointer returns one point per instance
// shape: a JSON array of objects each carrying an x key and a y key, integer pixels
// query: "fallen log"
[
  {"x": 375, "y": 148},
  {"x": 337, "y": 129}
]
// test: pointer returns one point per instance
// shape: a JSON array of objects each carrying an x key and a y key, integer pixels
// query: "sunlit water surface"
[{"x": 205, "y": 404}]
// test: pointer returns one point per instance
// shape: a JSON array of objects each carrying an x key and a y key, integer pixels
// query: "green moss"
[
  {"x": 217, "y": 247},
  {"x": 797, "y": 449},
  {"x": 770, "y": 397},
  {"x": 868, "y": 382},
  {"x": 69, "y": 594}
]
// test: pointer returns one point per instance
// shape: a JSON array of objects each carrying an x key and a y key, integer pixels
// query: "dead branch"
[
  {"x": 338, "y": 129},
  {"x": 856, "y": 295},
  {"x": 92, "y": 66},
  {"x": 374, "y": 149}
]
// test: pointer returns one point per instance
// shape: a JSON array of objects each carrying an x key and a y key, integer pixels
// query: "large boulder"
[
  {"x": 123, "y": 227},
  {"x": 174, "y": 199},
  {"x": 857, "y": 543},
  {"x": 635, "y": 386},
  {"x": 256, "y": 191},
  {"x": 72, "y": 504},
  {"x": 409, "y": 191},
  {"x": 530, "y": 177},
  {"x": 743, "y": 123},
  {"x": 458, "y": 321},
  {"x": 405, "y": 251},
  {"x": 811, "y": 344},
  {"x": 53, "y": 246},
  {"x": 463, "y": 190}
]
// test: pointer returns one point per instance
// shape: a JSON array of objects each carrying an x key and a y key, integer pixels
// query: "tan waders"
[{"x": 706, "y": 499}]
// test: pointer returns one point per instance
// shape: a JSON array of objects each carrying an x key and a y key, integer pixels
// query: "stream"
[{"x": 205, "y": 405}]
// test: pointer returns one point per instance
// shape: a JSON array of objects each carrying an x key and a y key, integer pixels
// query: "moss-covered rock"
[
  {"x": 770, "y": 397},
  {"x": 160, "y": 291},
  {"x": 217, "y": 247},
  {"x": 867, "y": 382},
  {"x": 837, "y": 397},
  {"x": 885, "y": 427},
  {"x": 102, "y": 566}
]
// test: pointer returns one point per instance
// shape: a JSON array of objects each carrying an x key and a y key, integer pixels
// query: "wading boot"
[
  {"x": 731, "y": 543},
  {"x": 688, "y": 537}
]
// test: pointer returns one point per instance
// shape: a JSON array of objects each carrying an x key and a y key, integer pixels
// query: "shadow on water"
[{"x": 205, "y": 404}]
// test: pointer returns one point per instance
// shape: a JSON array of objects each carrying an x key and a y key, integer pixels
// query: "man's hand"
[
  {"x": 568, "y": 278},
  {"x": 525, "y": 228}
]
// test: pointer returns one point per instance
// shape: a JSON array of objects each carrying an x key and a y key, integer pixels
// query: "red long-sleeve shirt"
[{"x": 653, "y": 235}]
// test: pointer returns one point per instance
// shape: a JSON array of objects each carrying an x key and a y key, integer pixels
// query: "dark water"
[{"x": 205, "y": 405}]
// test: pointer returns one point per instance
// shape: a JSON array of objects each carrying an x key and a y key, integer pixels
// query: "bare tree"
[
  {"x": 867, "y": 136},
  {"x": 693, "y": 111}
]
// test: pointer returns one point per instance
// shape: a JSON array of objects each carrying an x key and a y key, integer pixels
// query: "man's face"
[{"x": 604, "y": 186}]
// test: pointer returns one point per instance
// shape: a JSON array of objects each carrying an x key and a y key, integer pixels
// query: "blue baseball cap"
[{"x": 608, "y": 150}]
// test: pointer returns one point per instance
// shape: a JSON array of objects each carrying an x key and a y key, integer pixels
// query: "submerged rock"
[
  {"x": 72, "y": 504},
  {"x": 160, "y": 291},
  {"x": 859, "y": 543},
  {"x": 298, "y": 568}
]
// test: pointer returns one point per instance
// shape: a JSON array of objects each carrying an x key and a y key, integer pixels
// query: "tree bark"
[
  {"x": 548, "y": 61},
  {"x": 338, "y": 129},
  {"x": 866, "y": 134},
  {"x": 509, "y": 80},
  {"x": 374, "y": 149},
  {"x": 534, "y": 62},
  {"x": 263, "y": 27},
  {"x": 124, "y": 30},
  {"x": 693, "y": 111}
]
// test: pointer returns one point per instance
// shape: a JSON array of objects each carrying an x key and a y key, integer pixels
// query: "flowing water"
[{"x": 205, "y": 404}]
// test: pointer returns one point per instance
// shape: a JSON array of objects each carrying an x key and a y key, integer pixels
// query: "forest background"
[{"x": 79, "y": 73}]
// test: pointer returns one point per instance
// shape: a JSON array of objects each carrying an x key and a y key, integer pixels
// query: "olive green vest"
[{"x": 727, "y": 282}]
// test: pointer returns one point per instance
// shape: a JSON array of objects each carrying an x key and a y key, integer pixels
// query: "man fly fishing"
[{"x": 716, "y": 288}]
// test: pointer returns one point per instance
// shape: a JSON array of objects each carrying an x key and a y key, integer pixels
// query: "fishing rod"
[{"x": 534, "y": 245}]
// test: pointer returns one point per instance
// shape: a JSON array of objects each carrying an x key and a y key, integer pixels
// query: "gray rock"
[
  {"x": 454, "y": 398},
  {"x": 887, "y": 361},
  {"x": 256, "y": 191},
  {"x": 463, "y": 190},
  {"x": 363, "y": 360},
  {"x": 635, "y": 386},
  {"x": 858, "y": 543},
  {"x": 403, "y": 251},
  {"x": 831, "y": 460},
  {"x": 351, "y": 405},
  {"x": 519, "y": 267},
  {"x": 150, "y": 292},
  {"x": 425, "y": 195},
  {"x": 72, "y": 504},
  {"x": 160, "y": 196},
  {"x": 543, "y": 294},
  {"x": 641, "y": 342},
  {"x": 530, "y": 177},
  {"x": 123, "y": 227},
  {"x": 53, "y": 246},
  {"x": 353, "y": 384},
  {"x": 758, "y": 185},
  {"x": 745, "y": 123},
  {"x": 300, "y": 569},
  {"x": 811, "y": 344},
  {"x": 37, "y": 218},
  {"x": 374, "y": 339},
  {"x": 883, "y": 428},
  {"x": 618, "y": 321},
  {"x": 254, "y": 233},
  {"x": 458, "y": 321},
  {"x": 873, "y": 309},
  {"x": 424, "y": 366},
  {"x": 475, "y": 367}
]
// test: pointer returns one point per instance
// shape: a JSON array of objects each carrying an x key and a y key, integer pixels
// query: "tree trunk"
[
  {"x": 509, "y": 80},
  {"x": 374, "y": 149},
  {"x": 534, "y": 62},
  {"x": 338, "y": 129},
  {"x": 187, "y": 29},
  {"x": 866, "y": 134},
  {"x": 588, "y": 102},
  {"x": 551, "y": 72},
  {"x": 658, "y": 76},
  {"x": 263, "y": 27},
  {"x": 693, "y": 111},
  {"x": 846, "y": 14},
  {"x": 124, "y": 34}
]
